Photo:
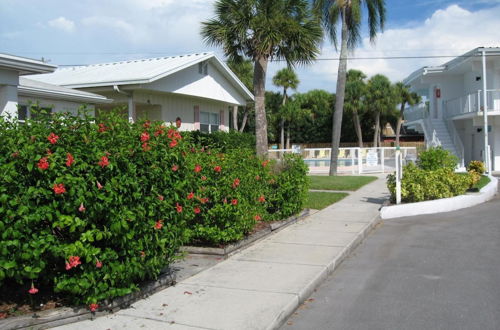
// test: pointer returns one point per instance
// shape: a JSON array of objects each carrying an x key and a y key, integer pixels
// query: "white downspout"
[
  {"x": 130, "y": 102},
  {"x": 486, "y": 155}
]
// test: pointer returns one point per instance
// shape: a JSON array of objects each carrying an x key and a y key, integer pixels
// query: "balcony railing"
[
  {"x": 472, "y": 103},
  {"x": 416, "y": 112}
]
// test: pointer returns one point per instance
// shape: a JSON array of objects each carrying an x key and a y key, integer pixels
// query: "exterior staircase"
[{"x": 441, "y": 137}]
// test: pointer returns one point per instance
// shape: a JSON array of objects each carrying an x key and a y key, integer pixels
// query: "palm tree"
[
  {"x": 286, "y": 78},
  {"x": 264, "y": 30},
  {"x": 244, "y": 72},
  {"x": 354, "y": 93},
  {"x": 380, "y": 97},
  {"x": 404, "y": 97},
  {"x": 348, "y": 14}
]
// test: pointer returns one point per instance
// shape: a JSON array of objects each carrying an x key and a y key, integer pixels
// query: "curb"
[
  {"x": 442, "y": 205},
  {"x": 322, "y": 276}
]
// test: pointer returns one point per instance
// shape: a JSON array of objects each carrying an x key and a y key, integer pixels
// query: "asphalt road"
[{"x": 426, "y": 272}]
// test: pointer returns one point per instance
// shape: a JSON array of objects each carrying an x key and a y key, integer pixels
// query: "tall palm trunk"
[
  {"x": 288, "y": 136},
  {"x": 235, "y": 117},
  {"x": 399, "y": 122},
  {"x": 282, "y": 122},
  {"x": 357, "y": 127},
  {"x": 244, "y": 120},
  {"x": 259, "y": 83},
  {"x": 339, "y": 100},
  {"x": 377, "y": 130}
]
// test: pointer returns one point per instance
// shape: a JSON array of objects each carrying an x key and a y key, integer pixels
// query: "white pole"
[
  {"x": 352, "y": 151},
  {"x": 360, "y": 161},
  {"x": 485, "y": 115},
  {"x": 398, "y": 175}
]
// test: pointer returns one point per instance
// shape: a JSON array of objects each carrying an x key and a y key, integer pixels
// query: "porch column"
[
  {"x": 131, "y": 110},
  {"x": 8, "y": 101},
  {"x": 486, "y": 152}
]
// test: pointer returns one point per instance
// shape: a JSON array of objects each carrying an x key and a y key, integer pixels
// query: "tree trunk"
[
  {"x": 288, "y": 136},
  {"x": 398, "y": 125},
  {"x": 235, "y": 117},
  {"x": 339, "y": 100},
  {"x": 282, "y": 137},
  {"x": 282, "y": 121},
  {"x": 357, "y": 127},
  {"x": 244, "y": 120},
  {"x": 259, "y": 86},
  {"x": 377, "y": 129}
]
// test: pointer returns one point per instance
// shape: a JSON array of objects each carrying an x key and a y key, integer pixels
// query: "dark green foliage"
[{"x": 222, "y": 141}]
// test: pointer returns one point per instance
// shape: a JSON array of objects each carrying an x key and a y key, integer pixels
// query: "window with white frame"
[
  {"x": 31, "y": 112},
  {"x": 209, "y": 122}
]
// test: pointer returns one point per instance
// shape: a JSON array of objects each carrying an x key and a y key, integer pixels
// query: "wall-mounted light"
[{"x": 478, "y": 78}]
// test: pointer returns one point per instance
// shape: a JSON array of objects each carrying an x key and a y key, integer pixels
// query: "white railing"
[
  {"x": 472, "y": 103},
  {"x": 416, "y": 112},
  {"x": 351, "y": 160},
  {"x": 457, "y": 141}
]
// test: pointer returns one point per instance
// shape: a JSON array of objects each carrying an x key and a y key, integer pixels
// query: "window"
[
  {"x": 32, "y": 112},
  {"x": 209, "y": 122}
]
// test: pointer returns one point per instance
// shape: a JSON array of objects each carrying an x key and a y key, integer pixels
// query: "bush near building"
[{"x": 93, "y": 206}]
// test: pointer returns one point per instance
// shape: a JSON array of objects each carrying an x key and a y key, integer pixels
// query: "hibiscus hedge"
[{"x": 92, "y": 206}]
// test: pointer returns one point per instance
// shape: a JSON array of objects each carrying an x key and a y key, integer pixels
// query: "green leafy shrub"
[
  {"x": 91, "y": 207},
  {"x": 222, "y": 141},
  {"x": 476, "y": 166},
  {"x": 419, "y": 185},
  {"x": 436, "y": 158}
]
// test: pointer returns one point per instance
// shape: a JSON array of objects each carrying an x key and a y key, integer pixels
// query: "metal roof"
[
  {"x": 24, "y": 65},
  {"x": 36, "y": 88},
  {"x": 133, "y": 72}
]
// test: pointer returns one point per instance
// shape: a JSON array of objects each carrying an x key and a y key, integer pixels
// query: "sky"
[{"x": 96, "y": 31}]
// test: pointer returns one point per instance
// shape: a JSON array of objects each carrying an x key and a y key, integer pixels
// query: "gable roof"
[
  {"x": 31, "y": 87},
  {"x": 135, "y": 72},
  {"x": 490, "y": 51},
  {"x": 24, "y": 65}
]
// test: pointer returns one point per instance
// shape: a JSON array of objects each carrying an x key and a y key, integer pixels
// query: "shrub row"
[{"x": 93, "y": 206}]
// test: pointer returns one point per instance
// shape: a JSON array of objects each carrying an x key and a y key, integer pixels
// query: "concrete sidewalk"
[{"x": 261, "y": 286}]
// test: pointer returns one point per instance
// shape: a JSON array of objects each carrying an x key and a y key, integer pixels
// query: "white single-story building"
[
  {"x": 452, "y": 112},
  {"x": 199, "y": 88},
  {"x": 17, "y": 92}
]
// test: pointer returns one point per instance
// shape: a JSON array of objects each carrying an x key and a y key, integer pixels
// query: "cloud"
[
  {"x": 447, "y": 32},
  {"x": 62, "y": 23}
]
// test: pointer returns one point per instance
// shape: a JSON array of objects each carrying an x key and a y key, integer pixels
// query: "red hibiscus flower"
[
  {"x": 147, "y": 124},
  {"x": 98, "y": 264},
  {"x": 144, "y": 137},
  {"x": 93, "y": 307},
  {"x": 161, "y": 198},
  {"x": 69, "y": 159},
  {"x": 257, "y": 177},
  {"x": 190, "y": 195},
  {"x": 175, "y": 168},
  {"x": 33, "y": 290},
  {"x": 196, "y": 210},
  {"x": 102, "y": 128},
  {"x": 145, "y": 147},
  {"x": 262, "y": 199},
  {"x": 99, "y": 185},
  {"x": 234, "y": 201},
  {"x": 81, "y": 208},
  {"x": 159, "y": 224},
  {"x": 59, "y": 188},
  {"x": 73, "y": 261},
  {"x": 52, "y": 138},
  {"x": 178, "y": 207},
  {"x": 173, "y": 143},
  {"x": 159, "y": 132},
  {"x": 236, "y": 183},
  {"x": 264, "y": 163},
  {"x": 217, "y": 169},
  {"x": 43, "y": 163},
  {"x": 197, "y": 168},
  {"x": 257, "y": 217},
  {"x": 203, "y": 200},
  {"x": 104, "y": 161}
]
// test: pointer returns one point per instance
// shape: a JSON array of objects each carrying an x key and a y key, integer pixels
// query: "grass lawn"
[
  {"x": 320, "y": 200},
  {"x": 482, "y": 182},
  {"x": 341, "y": 182}
]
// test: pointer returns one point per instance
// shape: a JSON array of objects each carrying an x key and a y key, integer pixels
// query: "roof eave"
[
  {"x": 29, "y": 91},
  {"x": 25, "y": 66}
]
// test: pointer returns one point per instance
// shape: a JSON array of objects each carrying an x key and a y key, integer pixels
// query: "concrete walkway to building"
[{"x": 258, "y": 288}]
